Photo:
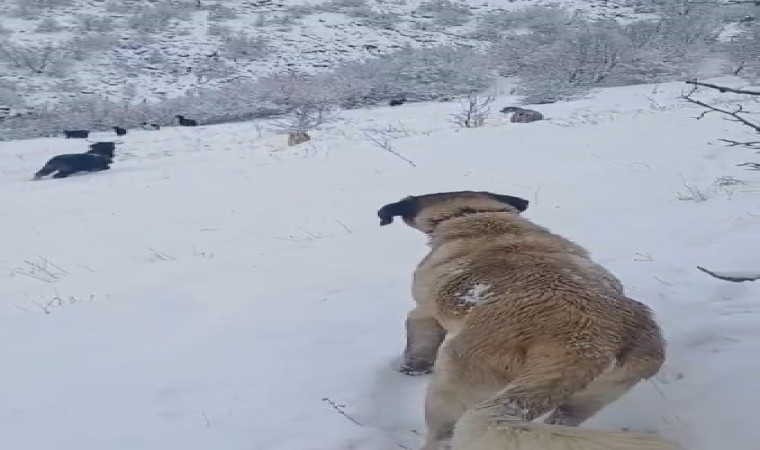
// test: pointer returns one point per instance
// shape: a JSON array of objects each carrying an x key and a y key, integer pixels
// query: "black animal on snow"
[
  {"x": 120, "y": 131},
  {"x": 103, "y": 149},
  {"x": 68, "y": 164},
  {"x": 186, "y": 122},
  {"x": 397, "y": 101},
  {"x": 76, "y": 134},
  {"x": 150, "y": 126}
]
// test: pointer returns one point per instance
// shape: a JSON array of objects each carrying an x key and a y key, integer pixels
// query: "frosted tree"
[
  {"x": 245, "y": 46},
  {"x": 445, "y": 13},
  {"x": 307, "y": 101},
  {"x": 743, "y": 50},
  {"x": 474, "y": 111},
  {"x": 37, "y": 58}
]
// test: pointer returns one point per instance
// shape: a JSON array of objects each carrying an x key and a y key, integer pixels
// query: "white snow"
[
  {"x": 477, "y": 293},
  {"x": 214, "y": 287}
]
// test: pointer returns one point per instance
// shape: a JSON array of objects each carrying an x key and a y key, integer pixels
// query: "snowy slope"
[
  {"x": 215, "y": 286},
  {"x": 125, "y": 61}
]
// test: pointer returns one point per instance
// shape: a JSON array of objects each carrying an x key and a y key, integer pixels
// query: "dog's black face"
[
  {"x": 409, "y": 207},
  {"x": 105, "y": 151}
]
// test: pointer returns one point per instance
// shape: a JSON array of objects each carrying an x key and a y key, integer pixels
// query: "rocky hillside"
[{"x": 153, "y": 49}]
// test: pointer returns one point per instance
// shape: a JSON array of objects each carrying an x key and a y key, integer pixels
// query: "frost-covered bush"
[
  {"x": 244, "y": 45},
  {"x": 32, "y": 8},
  {"x": 216, "y": 29},
  {"x": 338, "y": 6},
  {"x": 220, "y": 12},
  {"x": 379, "y": 19},
  {"x": 122, "y": 7},
  {"x": 299, "y": 11},
  {"x": 445, "y": 13},
  {"x": 419, "y": 74},
  {"x": 82, "y": 47},
  {"x": 48, "y": 25},
  {"x": 152, "y": 19},
  {"x": 536, "y": 19},
  {"x": 556, "y": 53},
  {"x": 212, "y": 69},
  {"x": 44, "y": 58},
  {"x": 744, "y": 52},
  {"x": 9, "y": 94},
  {"x": 92, "y": 22}
]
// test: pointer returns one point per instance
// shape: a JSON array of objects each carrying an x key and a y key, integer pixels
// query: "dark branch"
[
  {"x": 734, "y": 116},
  {"x": 750, "y": 144},
  {"x": 736, "y": 278},
  {"x": 723, "y": 89}
]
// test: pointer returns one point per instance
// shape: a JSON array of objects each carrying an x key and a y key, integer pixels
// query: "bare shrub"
[
  {"x": 474, "y": 112},
  {"x": 48, "y": 25},
  {"x": 299, "y": 11},
  {"x": 82, "y": 47},
  {"x": 445, "y": 13},
  {"x": 216, "y": 29},
  {"x": 37, "y": 58},
  {"x": 32, "y": 8},
  {"x": 305, "y": 118},
  {"x": 246, "y": 46},
  {"x": 219, "y": 12},
  {"x": 153, "y": 19},
  {"x": 92, "y": 22}
]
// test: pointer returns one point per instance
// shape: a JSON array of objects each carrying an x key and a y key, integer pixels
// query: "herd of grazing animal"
[
  {"x": 90, "y": 162},
  {"x": 99, "y": 156}
]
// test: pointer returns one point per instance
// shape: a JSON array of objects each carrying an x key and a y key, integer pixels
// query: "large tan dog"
[{"x": 532, "y": 326}]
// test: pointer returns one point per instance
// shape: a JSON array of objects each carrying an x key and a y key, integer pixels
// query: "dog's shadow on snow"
[{"x": 394, "y": 404}]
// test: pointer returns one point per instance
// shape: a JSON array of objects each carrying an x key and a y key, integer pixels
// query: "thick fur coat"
[{"x": 516, "y": 322}]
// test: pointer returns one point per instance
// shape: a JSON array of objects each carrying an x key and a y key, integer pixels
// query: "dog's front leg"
[{"x": 424, "y": 336}]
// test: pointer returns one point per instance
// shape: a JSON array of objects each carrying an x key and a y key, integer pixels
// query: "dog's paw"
[
  {"x": 416, "y": 368},
  {"x": 414, "y": 372}
]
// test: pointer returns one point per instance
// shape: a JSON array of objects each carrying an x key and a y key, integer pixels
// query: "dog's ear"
[
  {"x": 520, "y": 204},
  {"x": 403, "y": 208}
]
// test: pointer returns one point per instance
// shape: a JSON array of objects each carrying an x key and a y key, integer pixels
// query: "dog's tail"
[{"x": 477, "y": 430}]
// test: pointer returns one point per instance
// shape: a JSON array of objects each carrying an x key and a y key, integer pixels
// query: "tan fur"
[
  {"x": 531, "y": 325},
  {"x": 298, "y": 137}
]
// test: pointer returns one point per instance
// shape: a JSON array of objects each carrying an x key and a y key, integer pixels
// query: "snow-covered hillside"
[
  {"x": 143, "y": 49},
  {"x": 218, "y": 290}
]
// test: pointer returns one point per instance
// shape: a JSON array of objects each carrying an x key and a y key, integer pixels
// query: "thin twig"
[{"x": 385, "y": 145}]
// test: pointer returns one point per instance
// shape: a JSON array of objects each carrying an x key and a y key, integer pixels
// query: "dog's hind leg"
[
  {"x": 444, "y": 406},
  {"x": 45, "y": 171},
  {"x": 424, "y": 336},
  {"x": 458, "y": 405},
  {"x": 63, "y": 173},
  {"x": 604, "y": 390}
]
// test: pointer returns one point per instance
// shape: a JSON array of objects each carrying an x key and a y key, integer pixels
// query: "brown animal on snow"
[
  {"x": 521, "y": 115},
  {"x": 531, "y": 326},
  {"x": 298, "y": 137}
]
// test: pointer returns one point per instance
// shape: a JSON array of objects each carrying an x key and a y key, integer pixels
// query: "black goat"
[
  {"x": 120, "y": 131},
  {"x": 186, "y": 122},
  {"x": 76, "y": 134},
  {"x": 150, "y": 126}
]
